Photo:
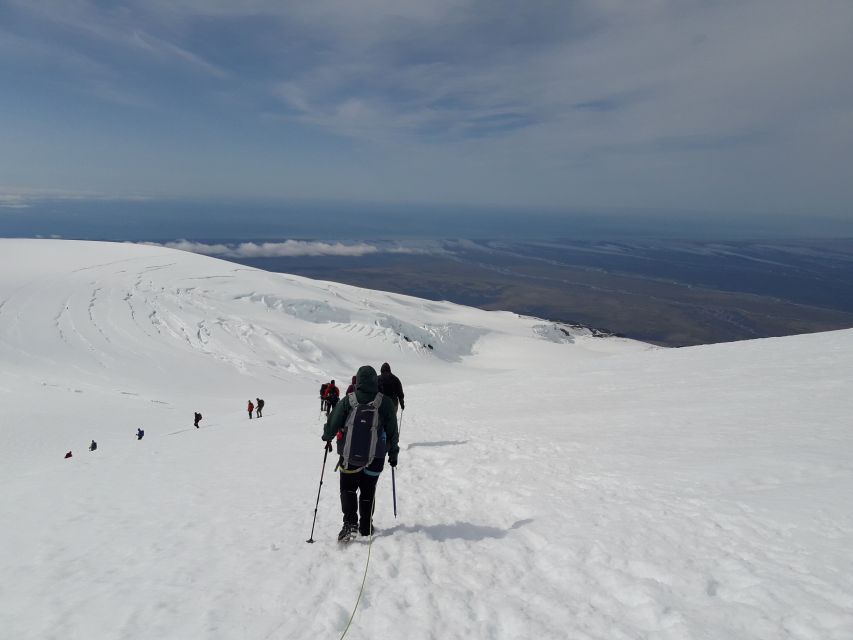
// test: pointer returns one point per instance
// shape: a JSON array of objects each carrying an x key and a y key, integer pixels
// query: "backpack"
[
  {"x": 362, "y": 439},
  {"x": 323, "y": 388}
]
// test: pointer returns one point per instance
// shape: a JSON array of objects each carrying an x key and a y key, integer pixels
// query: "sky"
[{"x": 735, "y": 107}]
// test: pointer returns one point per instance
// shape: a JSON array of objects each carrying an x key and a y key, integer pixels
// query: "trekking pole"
[
  {"x": 394, "y": 491},
  {"x": 326, "y": 450},
  {"x": 393, "y": 477}
]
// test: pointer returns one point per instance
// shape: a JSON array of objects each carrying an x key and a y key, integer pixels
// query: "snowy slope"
[{"x": 584, "y": 488}]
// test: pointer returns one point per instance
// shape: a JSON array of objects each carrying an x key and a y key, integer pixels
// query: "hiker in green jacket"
[{"x": 365, "y": 425}]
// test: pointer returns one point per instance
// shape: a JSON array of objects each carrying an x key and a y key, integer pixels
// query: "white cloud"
[
  {"x": 286, "y": 249},
  {"x": 297, "y": 248},
  {"x": 22, "y": 197},
  {"x": 9, "y": 201},
  {"x": 671, "y": 104}
]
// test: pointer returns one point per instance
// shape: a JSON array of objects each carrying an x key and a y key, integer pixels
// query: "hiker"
[
  {"x": 139, "y": 434},
  {"x": 390, "y": 385},
  {"x": 260, "y": 406},
  {"x": 363, "y": 414},
  {"x": 67, "y": 455},
  {"x": 251, "y": 408},
  {"x": 323, "y": 388},
  {"x": 351, "y": 387},
  {"x": 197, "y": 419},
  {"x": 332, "y": 396},
  {"x": 93, "y": 446}
]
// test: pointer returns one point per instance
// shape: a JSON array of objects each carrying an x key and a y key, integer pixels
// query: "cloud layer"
[
  {"x": 288, "y": 249},
  {"x": 673, "y": 104}
]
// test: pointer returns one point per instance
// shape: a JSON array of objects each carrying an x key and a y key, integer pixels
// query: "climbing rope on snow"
[{"x": 366, "y": 565}]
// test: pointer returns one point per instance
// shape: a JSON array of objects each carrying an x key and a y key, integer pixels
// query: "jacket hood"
[{"x": 366, "y": 384}]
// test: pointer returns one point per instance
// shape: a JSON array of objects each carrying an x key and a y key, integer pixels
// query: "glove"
[
  {"x": 402, "y": 406},
  {"x": 392, "y": 459},
  {"x": 328, "y": 446}
]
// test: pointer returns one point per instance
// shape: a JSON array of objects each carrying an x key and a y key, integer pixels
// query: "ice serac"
[{"x": 551, "y": 484}]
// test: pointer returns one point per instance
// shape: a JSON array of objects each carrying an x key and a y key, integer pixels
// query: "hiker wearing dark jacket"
[
  {"x": 362, "y": 479},
  {"x": 259, "y": 411},
  {"x": 390, "y": 385},
  {"x": 197, "y": 419}
]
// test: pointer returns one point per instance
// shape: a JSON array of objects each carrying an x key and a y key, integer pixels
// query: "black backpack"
[{"x": 363, "y": 438}]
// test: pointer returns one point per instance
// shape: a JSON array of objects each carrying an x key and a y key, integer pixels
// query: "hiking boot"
[
  {"x": 347, "y": 532},
  {"x": 364, "y": 529}
]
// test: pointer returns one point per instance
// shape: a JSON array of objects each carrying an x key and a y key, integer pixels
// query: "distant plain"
[{"x": 668, "y": 292}]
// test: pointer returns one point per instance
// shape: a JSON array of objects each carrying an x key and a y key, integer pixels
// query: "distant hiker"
[
  {"x": 351, "y": 387},
  {"x": 323, "y": 388},
  {"x": 67, "y": 455},
  {"x": 332, "y": 396},
  {"x": 197, "y": 419},
  {"x": 365, "y": 425},
  {"x": 93, "y": 446},
  {"x": 139, "y": 434},
  {"x": 251, "y": 408},
  {"x": 390, "y": 385},
  {"x": 260, "y": 407}
]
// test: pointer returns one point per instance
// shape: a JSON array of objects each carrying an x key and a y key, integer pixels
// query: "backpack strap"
[{"x": 377, "y": 401}]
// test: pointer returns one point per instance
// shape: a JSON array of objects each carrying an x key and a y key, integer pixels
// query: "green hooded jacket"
[{"x": 366, "y": 388}]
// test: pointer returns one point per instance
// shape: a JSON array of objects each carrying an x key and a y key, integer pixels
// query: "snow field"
[{"x": 590, "y": 490}]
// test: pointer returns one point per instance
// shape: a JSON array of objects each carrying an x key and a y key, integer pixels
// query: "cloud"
[
  {"x": 567, "y": 78},
  {"x": 297, "y": 248},
  {"x": 286, "y": 249},
  {"x": 9, "y": 201},
  {"x": 24, "y": 197},
  {"x": 606, "y": 103}
]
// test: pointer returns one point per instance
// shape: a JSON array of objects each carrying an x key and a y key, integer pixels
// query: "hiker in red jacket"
[
  {"x": 351, "y": 387},
  {"x": 333, "y": 394},
  {"x": 323, "y": 388},
  {"x": 251, "y": 408}
]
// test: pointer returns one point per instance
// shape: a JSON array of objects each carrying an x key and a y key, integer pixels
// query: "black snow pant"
[
  {"x": 354, "y": 505},
  {"x": 330, "y": 406}
]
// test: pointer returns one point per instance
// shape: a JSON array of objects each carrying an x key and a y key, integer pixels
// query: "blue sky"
[{"x": 681, "y": 105}]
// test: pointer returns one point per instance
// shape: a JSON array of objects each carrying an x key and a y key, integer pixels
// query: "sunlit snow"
[{"x": 550, "y": 484}]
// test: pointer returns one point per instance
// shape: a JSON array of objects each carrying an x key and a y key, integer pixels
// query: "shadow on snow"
[
  {"x": 438, "y": 443},
  {"x": 455, "y": 531}
]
